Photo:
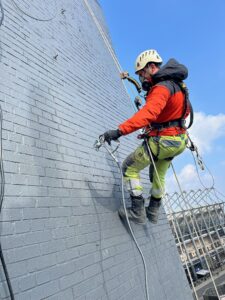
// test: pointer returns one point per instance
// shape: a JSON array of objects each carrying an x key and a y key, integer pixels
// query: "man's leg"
[
  {"x": 131, "y": 167},
  {"x": 168, "y": 147},
  {"x": 157, "y": 190}
]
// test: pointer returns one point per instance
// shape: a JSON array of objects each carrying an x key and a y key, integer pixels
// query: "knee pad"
[
  {"x": 157, "y": 193},
  {"x": 134, "y": 186}
]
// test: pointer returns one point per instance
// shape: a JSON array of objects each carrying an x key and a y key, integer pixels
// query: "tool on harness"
[
  {"x": 137, "y": 102},
  {"x": 194, "y": 148}
]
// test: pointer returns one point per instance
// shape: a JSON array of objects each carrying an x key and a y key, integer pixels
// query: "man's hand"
[{"x": 111, "y": 135}]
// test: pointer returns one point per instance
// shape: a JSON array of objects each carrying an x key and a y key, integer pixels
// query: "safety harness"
[{"x": 180, "y": 122}]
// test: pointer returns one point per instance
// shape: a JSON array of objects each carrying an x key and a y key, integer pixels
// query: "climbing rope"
[
  {"x": 170, "y": 211},
  {"x": 109, "y": 47},
  {"x": 205, "y": 167},
  {"x": 97, "y": 146}
]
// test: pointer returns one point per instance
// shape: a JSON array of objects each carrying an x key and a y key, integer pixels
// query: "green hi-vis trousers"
[{"x": 164, "y": 148}]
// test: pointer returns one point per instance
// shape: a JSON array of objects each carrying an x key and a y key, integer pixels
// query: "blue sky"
[{"x": 193, "y": 32}]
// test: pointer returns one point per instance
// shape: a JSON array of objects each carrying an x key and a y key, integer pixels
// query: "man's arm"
[{"x": 155, "y": 103}]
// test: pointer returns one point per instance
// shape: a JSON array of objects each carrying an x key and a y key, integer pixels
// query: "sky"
[{"x": 193, "y": 32}]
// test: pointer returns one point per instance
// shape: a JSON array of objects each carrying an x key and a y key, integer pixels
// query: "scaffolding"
[{"x": 197, "y": 220}]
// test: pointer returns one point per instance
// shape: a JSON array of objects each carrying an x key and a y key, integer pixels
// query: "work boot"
[
  {"x": 152, "y": 211},
  {"x": 136, "y": 212}
]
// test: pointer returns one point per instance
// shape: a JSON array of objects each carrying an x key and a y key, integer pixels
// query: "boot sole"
[
  {"x": 123, "y": 217},
  {"x": 149, "y": 217}
]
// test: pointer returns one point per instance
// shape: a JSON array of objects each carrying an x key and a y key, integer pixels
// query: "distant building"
[{"x": 199, "y": 231}]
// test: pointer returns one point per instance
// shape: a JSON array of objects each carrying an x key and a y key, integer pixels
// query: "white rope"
[
  {"x": 199, "y": 178},
  {"x": 108, "y": 45},
  {"x": 128, "y": 222},
  {"x": 103, "y": 36},
  {"x": 170, "y": 211}
]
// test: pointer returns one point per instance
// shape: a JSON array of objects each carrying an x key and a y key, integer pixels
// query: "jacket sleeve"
[{"x": 155, "y": 103}]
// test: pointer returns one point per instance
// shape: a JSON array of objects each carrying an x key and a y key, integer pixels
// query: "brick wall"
[{"x": 61, "y": 236}]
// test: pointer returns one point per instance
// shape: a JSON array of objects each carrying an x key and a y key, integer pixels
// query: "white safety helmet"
[{"x": 145, "y": 57}]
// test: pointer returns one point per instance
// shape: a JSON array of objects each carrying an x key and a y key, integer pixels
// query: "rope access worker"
[{"x": 163, "y": 117}]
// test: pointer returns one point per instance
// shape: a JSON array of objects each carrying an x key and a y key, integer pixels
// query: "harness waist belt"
[{"x": 174, "y": 123}]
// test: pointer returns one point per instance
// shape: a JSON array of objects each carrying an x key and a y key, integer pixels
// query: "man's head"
[{"x": 148, "y": 63}]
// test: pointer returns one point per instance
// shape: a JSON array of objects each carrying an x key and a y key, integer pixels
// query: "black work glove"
[{"x": 111, "y": 135}]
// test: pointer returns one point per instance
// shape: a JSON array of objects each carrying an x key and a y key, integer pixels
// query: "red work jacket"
[{"x": 165, "y": 102}]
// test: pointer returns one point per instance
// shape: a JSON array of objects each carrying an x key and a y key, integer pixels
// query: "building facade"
[{"x": 60, "y": 232}]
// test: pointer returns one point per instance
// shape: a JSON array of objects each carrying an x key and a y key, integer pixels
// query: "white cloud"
[
  {"x": 205, "y": 133},
  {"x": 188, "y": 179},
  {"x": 206, "y": 129}
]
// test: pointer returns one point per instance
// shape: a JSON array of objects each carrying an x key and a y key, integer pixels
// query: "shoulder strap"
[{"x": 187, "y": 103}]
